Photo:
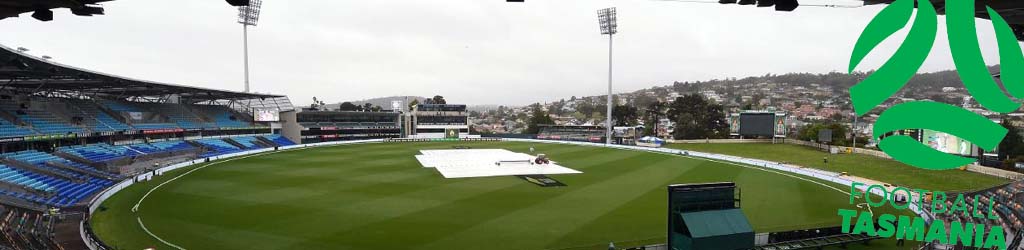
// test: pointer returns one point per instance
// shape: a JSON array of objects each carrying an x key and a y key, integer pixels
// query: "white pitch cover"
[{"x": 464, "y": 163}]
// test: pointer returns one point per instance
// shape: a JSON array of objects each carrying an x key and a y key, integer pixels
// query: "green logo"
[{"x": 904, "y": 64}]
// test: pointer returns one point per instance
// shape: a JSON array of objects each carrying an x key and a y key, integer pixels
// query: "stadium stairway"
[
  {"x": 44, "y": 117},
  {"x": 263, "y": 144},
  {"x": 74, "y": 173},
  {"x": 38, "y": 167},
  {"x": 50, "y": 161},
  {"x": 221, "y": 116},
  {"x": 279, "y": 140},
  {"x": 268, "y": 141},
  {"x": 9, "y": 126},
  {"x": 250, "y": 142},
  {"x": 15, "y": 186},
  {"x": 215, "y": 147},
  {"x": 56, "y": 192},
  {"x": 92, "y": 153},
  {"x": 234, "y": 143},
  {"x": 25, "y": 229},
  {"x": 83, "y": 169},
  {"x": 94, "y": 118}
]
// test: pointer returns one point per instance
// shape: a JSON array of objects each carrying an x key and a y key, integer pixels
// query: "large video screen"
[
  {"x": 757, "y": 124},
  {"x": 266, "y": 115},
  {"x": 946, "y": 143}
]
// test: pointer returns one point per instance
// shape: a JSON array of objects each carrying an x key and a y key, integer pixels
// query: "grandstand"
[
  {"x": 323, "y": 126},
  {"x": 1009, "y": 207},
  {"x": 571, "y": 133},
  {"x": 28, "y": 229},
  {"x": 437, "y": 120},
  {"x": 68, "y": 133}
]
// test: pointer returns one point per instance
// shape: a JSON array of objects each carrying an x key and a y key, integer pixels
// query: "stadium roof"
[
  {"x": 1012, "y": 11},
  {"x": 23, "y": 73},
  {"x": 13, "y": 8}
]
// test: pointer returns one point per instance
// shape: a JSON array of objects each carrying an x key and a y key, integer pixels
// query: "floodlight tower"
[
  {"x": 248, "y": 16},
  {"x": 606, "y": 17}
]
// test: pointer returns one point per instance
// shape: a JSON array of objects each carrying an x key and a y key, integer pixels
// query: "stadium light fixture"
[
  {"x": 44, "y": 15},
  {"x": 609, "y": 26},
  {"x": 782, "y": 5},
  {"x": 87, "y": 10},
  {"x": 248, "y": 16},
  {"x": 238, "y": 2}
]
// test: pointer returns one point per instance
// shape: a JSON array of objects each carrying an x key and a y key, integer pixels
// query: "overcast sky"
[{"x": 470, "y": 51}]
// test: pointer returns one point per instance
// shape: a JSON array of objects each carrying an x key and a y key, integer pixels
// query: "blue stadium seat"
[
  {"x": 222, "y": 116},
  {"x": 40, "y": 159},
  {"x": 248, "y": 141},
  {"x": 280, "y": 140},
  {"x": 94, "y": 118},
  {"x": 217, "y": 147}
]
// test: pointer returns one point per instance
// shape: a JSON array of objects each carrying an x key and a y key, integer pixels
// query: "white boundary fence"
[
  {"x": 832, "y": 177},
  {"x": 97, "y": 201},
  {"x": 814, "y": 173}
]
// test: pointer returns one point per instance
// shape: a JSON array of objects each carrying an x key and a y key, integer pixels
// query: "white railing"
[
  {"x": 98, "y": 200},
  {"x": 814, "y": 173}
]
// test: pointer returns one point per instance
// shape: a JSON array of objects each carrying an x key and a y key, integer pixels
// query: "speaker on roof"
[
  {"x": 747, "y": 2},
  {"x": 87, "y": 11},
  {"x": 238, "y": 2},
  {"x": 43, "y": 15},
  {"x": 726, "y": 1},
  {"x": 765, "y": 3},
  {"x": 786, "y": 5}
]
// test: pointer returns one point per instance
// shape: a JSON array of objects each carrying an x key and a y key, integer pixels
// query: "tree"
[
  {"x": 438, "y": 100},
  {"x": 810, "y": 131},
  {"x": 697, "y": 118},
  {"x": 367, "y": 107},
  {"x": 376, "y": 108},
  {"x": 625, "y": 115},
  {"x": 537, "y": 117},
  {"x": 413, "y": 103},
  {"x": 585, "y": 108},
  {"x": 652, "y": 114},
  {"x": 348, "y": 106},
  {"x": 317, "y": 104},
  {"x": 687, "y": 127}
]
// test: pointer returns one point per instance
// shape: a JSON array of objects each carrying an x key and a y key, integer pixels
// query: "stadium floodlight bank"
[
  {"x": 248, "y": 15},
  {"x": 609, "y": 26}
]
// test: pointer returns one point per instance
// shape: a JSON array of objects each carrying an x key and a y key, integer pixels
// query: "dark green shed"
[{"x": 713, "y": 229}]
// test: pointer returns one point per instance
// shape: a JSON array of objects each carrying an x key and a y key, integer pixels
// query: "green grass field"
[
  {"x": 376, "y": 196},
  {"x": 866, "y": 166}
]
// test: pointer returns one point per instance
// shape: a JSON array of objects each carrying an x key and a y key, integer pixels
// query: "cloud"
[{"x": 470, "y": 51}]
